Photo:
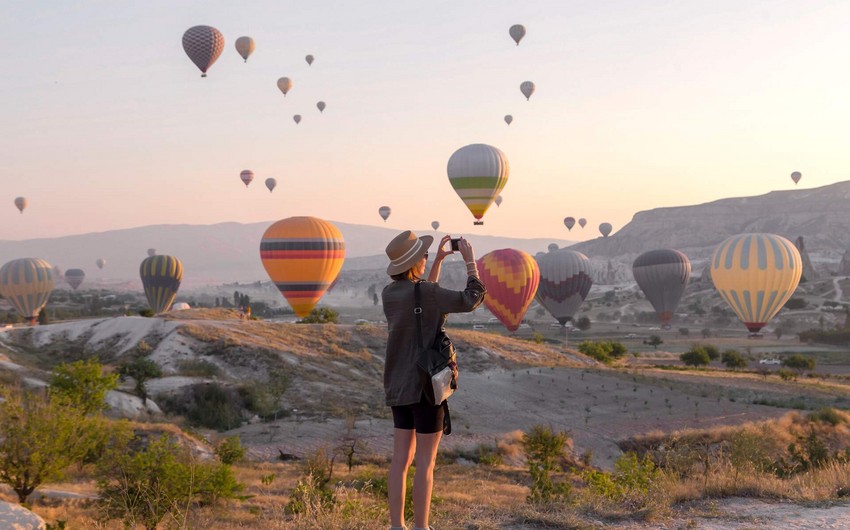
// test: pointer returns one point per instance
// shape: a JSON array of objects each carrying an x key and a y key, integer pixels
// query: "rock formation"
[
  {"x": 808, "y": 270},
  {"x": 16, "y": 517}
]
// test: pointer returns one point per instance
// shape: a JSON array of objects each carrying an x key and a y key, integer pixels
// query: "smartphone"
[{"x": 455, "y": 244}]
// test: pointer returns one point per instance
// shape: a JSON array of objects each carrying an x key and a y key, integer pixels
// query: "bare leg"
[
  {"x": 423, "y": 481},
  {"x": 404, "y": 445}
]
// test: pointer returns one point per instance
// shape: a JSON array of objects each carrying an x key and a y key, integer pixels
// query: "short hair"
[{"x": 406, "y": 275}]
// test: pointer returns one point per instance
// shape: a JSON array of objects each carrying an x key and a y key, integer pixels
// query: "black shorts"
[{"x": 423, "y": 416}]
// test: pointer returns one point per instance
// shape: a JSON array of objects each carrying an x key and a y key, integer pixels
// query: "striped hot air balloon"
[
  {"x": 756, "y": 274},
  {"x": 663, "y": 276},
  {"x": 384, "y": 212},
  {"x": 511, "y": 277},
  {"x": 302, "y": 256},
  {"x": 245, "y": 47},
  {"x": 246, "y": 176},
  {"x": 27, "y": 283},
  {"x": 161, "y": 277},
  {"x": 75, "y": 277},
  {"x": 564, "y": 283},
  {"x": 478, "y": 173},
  {"x": 203, "y": 45}
]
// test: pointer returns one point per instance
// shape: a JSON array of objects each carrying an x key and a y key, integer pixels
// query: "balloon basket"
[{"x": 476, "y": 223}]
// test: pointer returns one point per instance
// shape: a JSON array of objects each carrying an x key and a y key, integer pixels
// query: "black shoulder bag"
[{"x": 436, "y": 364}]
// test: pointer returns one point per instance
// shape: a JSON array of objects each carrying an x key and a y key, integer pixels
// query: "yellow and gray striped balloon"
[
  {"x": 756, "y": 274},
  {"x": 27, "y": 283},
  {"x": 161, "y": 277},
  {"x": 478, "y": 173}
]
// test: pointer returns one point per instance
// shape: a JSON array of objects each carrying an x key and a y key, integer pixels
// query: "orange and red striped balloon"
[
  {"x": 511, "y": 277},
  {"x": 303, "y": 256}
]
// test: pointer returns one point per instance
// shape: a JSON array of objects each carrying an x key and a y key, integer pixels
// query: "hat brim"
[{"x": 414, "y": 259}]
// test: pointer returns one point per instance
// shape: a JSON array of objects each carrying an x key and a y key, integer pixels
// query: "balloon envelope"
[
  {"x": 663, "y": 276},
  {"x": 321, "y": 106},
  {"x": 756, "y": 274},
  {"x": 27, "y": 283},
  {"x": 552, "y": 247},
  {"x": 271, "y": 183},
  {"x": 100, "y": 263},
  {"x": 478, "y": 173},
  {"x": 245, "y": 46},
  {"x": 527, "y": 88},
  {"x": 302, "y": 256},
  {"x": 309, "y": 60},
  {"x": 297, "y": 119},
  {"x": 498, "y": 200},
  {"x": 796, "y": 176},
  {"x": 511, "y": 277},
  {"x": 246, "y": 176},
  {"x": 284, "y": 84},
  {"x": 605, "y": 229},
  {"x": 517, "y": 32},
  {"x": 569, "y": 222},
  {"x": 582, "y": 222},
  {"x": 564, "y": 283},
  {"x": 21, "y": 203},
  {"x": 384, "y": 212},
  {"x": 161, "y": 277},
  {"x": 151, "y": 252},
  {"x": 203, "y": 45},
  {"x": 435, "y": 225},
  {"x": 508, "y": 119},
  {"x": 75, "y": 277}
]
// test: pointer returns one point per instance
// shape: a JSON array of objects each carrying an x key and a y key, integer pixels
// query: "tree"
[
  {"x": 141, "y": 370},
  {"x": 230, "y": 450},
  {"x": 654, "y": 341},
  {"x": 712, "y": 351},
  {"x": 733, "y": 360},
  {"x": 42, "y": 317},
  {"x": 40, "y": 437},
  {"x": 798, "y": 362},
  {"x": 544, "y": 450},
  {"x": 583, "y": 323},
  {"x": 321, "y": 315},
  {"x": 706, "y": 333},
  {"x": 83, "y": 383},
  {"x": 696, "y": 356},
  {"x": 374, "y": 298},
  {"x": 684, "y": 332}
]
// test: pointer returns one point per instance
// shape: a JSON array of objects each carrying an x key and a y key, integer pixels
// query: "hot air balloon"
[
  {"x": 605, "y": 229},
  {"x": 478, "y": 173},
  {"x": 511, "y": 277},
  {"x": 321, "y": 106},
  {"x": 75, "y": 277},
  {"x": 552, "y": 247},
  {"x": 271, "y": 184},
  {"x": 303, "y": 256},
  {"x": 284, "y": 84},
  {"x": 247, "y": 176},
  {"x": 564, "y": 283},
  {"x": 27, "y": 283},
  {"x": 508, "y": 119},
  {"x": 527, "y": 88},
  {"x": 100, "y": 263},
  {"x": 297, "y": 119},
  {"x": 161, "y": 277},
  {"x": 435, "y": 225},
  {"x": 569, "y": 222},
  {"x": 663, "y": 276},
  {"x": 517, "y": 32},
  {"x": 151, "y": 252},
  {"x": 756, "y": 274},
  {"x": 498, "y": 201},
  {"x": 384, "y": 212},
  {"x": 796, "y": 176},
  {"x": 309, "y": 60},
  {"x": 203, "y": 45},
  {"x": 245, "y": 46},
  {"x": 21, "y": 203},
  {"x": 582, "y": 222}
]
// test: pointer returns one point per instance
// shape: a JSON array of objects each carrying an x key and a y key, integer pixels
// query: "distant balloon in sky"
[
  {"x": 553, "y": 247},
  {"x": 569, "y": 222},
  {"x": 161, "y": 277},
  {"x": 564, "y": 283},
  {"x": 151, "y": 252},
  {"x": 321, "y": 106},
  {"x": 297, "y": 119},
  {"x": 246, "y": 176},
  {"x": 796, "y": 176},
  {"x": 100, "y": 263},
  {"x": 245, "y": 46},
  {"x": 309, "y": 60},
  {"x": 302, "y": 256},
  {"x": 508, "y": 119},
  {"x": 605, "y": 229},
  {"x": 21, "y": 203},
  {"x": 435, "y": 225},
  {"x": 517, "y": 32},
  {"x": 203, "y": 45},
  {"x": 284, "y": 84},
  {"x": 527, "y": 88},
  {"x": 498, "y": 200},
  {"x": 27, "y": 283},
  {"x": 478, "y": 173},
  {"x": 756, "y": 274},
  {"x": 511, "y": 277},
  {"x": 75, "y": 277},
  {"x": 384, "y": 212},
  {"x": 663, "y": 276},
  {"x": 582, "y": 222},
  {"x": 271, "y": 183}
]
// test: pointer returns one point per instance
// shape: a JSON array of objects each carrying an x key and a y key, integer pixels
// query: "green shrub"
[
  {"x": 230, "y": 450},
  {"x": 786, "y": 374},
  {"x": 146, "y": 313},
  {"x": 712, "y": 351},
  {"x": 733, "y": 359},
  {"x": 198, "y": 368},
  {"x": 207, "y": 405},
  {"x": 595, "y": 351},
  {"x": 696, "y": 356},
  {"x": 141, "y": 370},
  {"x": 321, "y": 315},
  {"x": 544, "y": 450},
  {"x": 633, "y": 481},
  {"x": 827, "y": 415},
  {"x": 799, "y": 362},
  {"x": 83, "y": 383}
]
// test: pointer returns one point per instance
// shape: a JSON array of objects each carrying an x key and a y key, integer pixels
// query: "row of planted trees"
[{"x": 142, "y": 478}]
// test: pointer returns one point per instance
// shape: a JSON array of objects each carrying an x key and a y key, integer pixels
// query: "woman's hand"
[
  {"x": 465, "y": 248},
  {"x": 442, "y": 252}
]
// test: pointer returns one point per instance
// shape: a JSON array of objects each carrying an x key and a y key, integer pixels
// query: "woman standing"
[{"x": 418, "y": 425}]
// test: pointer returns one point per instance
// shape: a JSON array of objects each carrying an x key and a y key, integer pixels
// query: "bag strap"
[
  {"x": 417, "y": 310},
  {"x": 447, "y": 418}
]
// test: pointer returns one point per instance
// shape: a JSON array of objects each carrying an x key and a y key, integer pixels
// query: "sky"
[{"x": 106, "y": 123}]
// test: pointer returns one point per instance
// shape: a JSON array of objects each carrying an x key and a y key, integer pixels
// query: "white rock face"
[
  {"x": 123, "y": 405},
  {"x": 15, "y": 517}
]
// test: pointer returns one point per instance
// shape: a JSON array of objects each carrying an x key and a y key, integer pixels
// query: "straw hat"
[{"x": 405, "y": 251}]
